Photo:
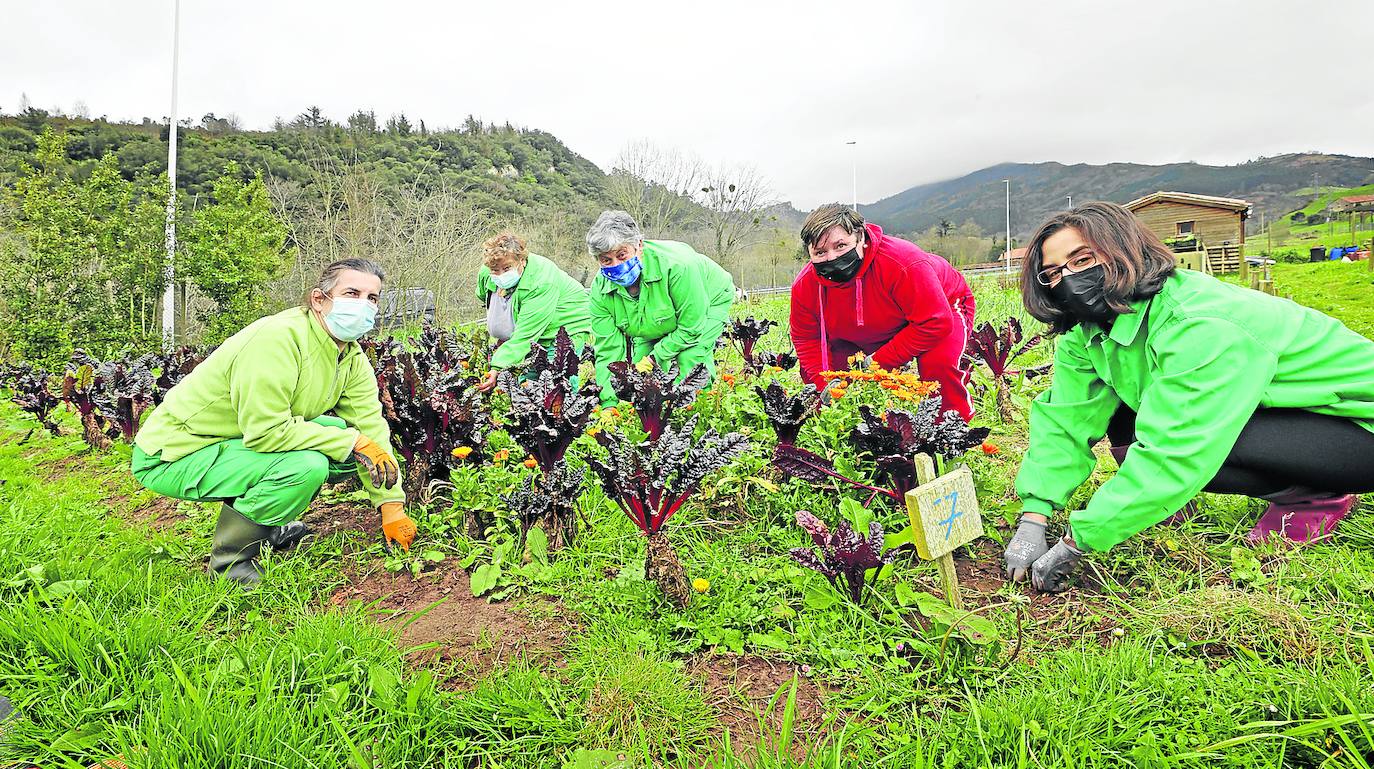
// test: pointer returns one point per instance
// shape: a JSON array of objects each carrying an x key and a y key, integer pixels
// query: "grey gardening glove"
[
  {"x": 1050, "y": 572},
  {"x": 1026, "y": 545}
]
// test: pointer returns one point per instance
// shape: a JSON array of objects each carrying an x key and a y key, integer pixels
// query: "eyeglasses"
[{"x": 1083, "y": 261}]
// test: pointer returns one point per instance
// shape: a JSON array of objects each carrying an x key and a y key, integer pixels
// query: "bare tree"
[
  {"x": 426, "y": 239},
  {"x": 655, "y": 185},
  {"x": 734, "y": 200}
]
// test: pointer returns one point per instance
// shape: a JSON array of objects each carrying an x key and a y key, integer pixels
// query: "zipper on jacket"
[{"x": 338, "y": 369}]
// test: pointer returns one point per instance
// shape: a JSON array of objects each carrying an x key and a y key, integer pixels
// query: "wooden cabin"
[{"x": 1218, "y": 223}]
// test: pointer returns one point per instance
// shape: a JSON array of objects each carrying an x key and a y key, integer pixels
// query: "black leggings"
[{"x": 1282, "y": 448}]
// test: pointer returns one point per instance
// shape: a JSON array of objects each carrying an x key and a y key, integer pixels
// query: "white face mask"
[
  {"x": 348, "y": 319},
  {"x": 507, "y": 279}
]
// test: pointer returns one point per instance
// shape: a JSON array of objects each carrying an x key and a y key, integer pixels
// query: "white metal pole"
[
  {"x": 1008, "y": 183},
  {"x": 1070, "y": 197},
  {"x": 854, "y": 167},
  {"x": 169, "y": 299}
]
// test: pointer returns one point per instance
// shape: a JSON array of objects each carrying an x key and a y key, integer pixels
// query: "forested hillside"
[{"x": 504, "y": 169}]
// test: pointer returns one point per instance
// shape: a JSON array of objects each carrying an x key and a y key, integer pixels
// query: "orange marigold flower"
[
  {"x": 531, "y": 463},
  {"x": 991, "y": 448},
  {"x": 888, "y": 384},
  {"x": 837, "y": 392},
  {"x": 615, "y": 412},
  {"x": 501, "y": 456},
  {"x": 462, "y": 452},
  {"x": 729, "y": 379}
]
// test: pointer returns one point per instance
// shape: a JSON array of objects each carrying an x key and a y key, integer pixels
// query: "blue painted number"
[{"x": 954, "y": 512}]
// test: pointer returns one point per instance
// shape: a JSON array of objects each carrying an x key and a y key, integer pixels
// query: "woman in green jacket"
[
  {"x": 655, "y": 299},
  {"x": 1201, "y": 386},
  {"x": 527, "y": 299},
  {"x": 248, "y": 427}
]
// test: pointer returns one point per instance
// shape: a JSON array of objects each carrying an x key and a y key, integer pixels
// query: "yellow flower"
[
  {"x": 701, "y": 585},
  {"x": 462, "y": 452},
  {"x": 646, "y": 365}
]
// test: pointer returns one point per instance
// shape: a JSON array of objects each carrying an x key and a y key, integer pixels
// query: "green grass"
[
  {"x": 1328, "y": 195},
  {"x": 1343, "y": 290},
  {"x": 1301, "y": 238},
  {"x": 1196, "y": 651}
]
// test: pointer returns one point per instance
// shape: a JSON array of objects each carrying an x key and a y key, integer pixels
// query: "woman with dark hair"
[
  {"x": 866, "y": 291},
  {"x": 1201, "y": 386},
  {"x": 248, "y": 427}
]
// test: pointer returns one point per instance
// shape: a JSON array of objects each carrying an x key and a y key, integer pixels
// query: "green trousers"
[{"x": 270, "y": 489}]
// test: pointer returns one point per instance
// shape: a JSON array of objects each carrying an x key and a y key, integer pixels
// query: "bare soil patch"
[
  {"x": 438, "y": 621},
  {"x": 740, "y": 688}
]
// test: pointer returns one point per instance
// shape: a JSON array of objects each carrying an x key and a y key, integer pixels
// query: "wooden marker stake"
[{"x": 944, "y": 516}]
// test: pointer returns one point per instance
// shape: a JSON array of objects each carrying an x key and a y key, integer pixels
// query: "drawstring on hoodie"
[
  {"x": 825, "y": 340},
  {"x": 859, "y": 301},
  {"x": 858, "y": 316}
]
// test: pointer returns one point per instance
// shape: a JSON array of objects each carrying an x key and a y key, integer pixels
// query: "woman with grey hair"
[
  {"x": 249, "y": 426},
  {"x": 658, "y": 300}
]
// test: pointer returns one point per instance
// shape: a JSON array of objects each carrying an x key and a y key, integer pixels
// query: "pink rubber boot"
[
  {"x": 1189, "y": 510},
  {"x": 1301, "y": 515}
]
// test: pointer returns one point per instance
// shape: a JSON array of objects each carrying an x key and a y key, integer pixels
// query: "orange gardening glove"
[
  {"x": 397, "y": 526},
  {"x": 380, "y": 466}
]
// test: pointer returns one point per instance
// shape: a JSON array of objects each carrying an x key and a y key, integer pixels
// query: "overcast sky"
[{"x": 928, "y": 90}]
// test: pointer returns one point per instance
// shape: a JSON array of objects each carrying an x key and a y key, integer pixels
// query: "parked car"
[{"x": 400, "y": 306}]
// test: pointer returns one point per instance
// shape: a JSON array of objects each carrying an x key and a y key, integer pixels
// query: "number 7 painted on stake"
[{"x": 954, "y": 512}]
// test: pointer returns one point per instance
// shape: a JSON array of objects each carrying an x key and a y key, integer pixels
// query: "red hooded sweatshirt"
[{"x": 902, "y": 304}]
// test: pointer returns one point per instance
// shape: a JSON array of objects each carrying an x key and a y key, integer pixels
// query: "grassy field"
[
  {"x": 1343, "y": 290},
  {"x": 1297, "y": 245},
  {"x": 1181, "y": 648}
]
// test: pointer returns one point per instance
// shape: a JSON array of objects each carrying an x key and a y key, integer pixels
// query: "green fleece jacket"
[
  {"x": 1194, "y": 362},
  {"x": 264, "y": 385},
  {"x": 545, "y": 299},
  {"x": 684, "y": 300}
]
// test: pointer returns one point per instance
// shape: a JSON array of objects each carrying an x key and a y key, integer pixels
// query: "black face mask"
[
  {"x": 842, "y": 268},
  {"x": 1083, "y": 296}
]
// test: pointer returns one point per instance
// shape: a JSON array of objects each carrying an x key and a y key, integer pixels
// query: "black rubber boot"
[
  {"x": 238, "y": 540},
  {"x": 6, "y": 713},
  {"x": 285, "y": 536}
]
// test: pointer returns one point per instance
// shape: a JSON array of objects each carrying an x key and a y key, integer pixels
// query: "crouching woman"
[
  {"x": 251, "y": 426},
  {"x": 1200, "y": 386}
]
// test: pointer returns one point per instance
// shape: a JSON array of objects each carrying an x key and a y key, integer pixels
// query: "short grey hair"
[
  {"x": 329, "y": 278},
  {"x": 612, "y": 230}
]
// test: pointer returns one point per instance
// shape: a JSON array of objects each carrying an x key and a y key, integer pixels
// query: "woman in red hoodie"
[{"x": 868, "y": 292}]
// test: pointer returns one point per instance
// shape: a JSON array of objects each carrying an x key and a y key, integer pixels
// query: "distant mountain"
[{"x": 1272, "y": 185}]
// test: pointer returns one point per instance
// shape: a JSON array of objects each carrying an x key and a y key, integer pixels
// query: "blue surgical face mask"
[
  {"x": 625, "y": 273},
  {"x": 507, "y": 279},
  {"x": 348, "y": 319}
]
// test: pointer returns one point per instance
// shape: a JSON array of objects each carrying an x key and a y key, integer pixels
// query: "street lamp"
[
  {"x": 854, "y": 168},
  {"x": 169, "y": 299},
  {"x": 1008, "y": 183}
]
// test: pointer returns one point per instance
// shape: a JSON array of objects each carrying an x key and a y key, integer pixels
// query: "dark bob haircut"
[
  {"x": 1135, "y": 260},
  {"x": 820, "y": 221}
]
